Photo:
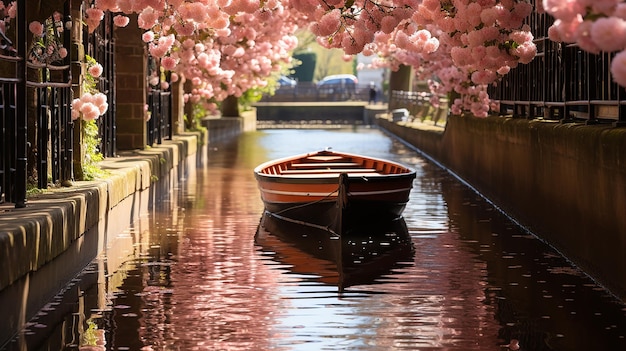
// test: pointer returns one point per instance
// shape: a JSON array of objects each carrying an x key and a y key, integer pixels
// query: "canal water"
[{"x": 197, "y": 273}]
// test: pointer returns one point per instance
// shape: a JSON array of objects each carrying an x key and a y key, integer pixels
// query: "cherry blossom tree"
[
  {"x": 223, "y": 47},
  {"x": 461, "y": 46},
  {"x": 226, "y": 47}
]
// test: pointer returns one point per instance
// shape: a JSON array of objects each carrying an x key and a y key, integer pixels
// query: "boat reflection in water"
[{"x": 365, "y": 254}]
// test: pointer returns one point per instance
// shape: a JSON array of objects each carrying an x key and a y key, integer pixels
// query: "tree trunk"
[
  {"x": 402, "y": 79},
  {"x": 178, "y": 106},
  {"x": 230, "y": 107},
  {"x": 189, "y": 121}
]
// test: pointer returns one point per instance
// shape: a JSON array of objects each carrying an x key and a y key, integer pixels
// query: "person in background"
[{"x": 372, "y": 99}]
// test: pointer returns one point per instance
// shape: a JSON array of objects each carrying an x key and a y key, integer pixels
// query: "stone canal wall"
[
  {"x": 566, "y": 183},
  {"x": 46, "y": 244}
]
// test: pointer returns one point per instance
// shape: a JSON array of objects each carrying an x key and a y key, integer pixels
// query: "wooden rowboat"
[{"x": 331, "y": 190}]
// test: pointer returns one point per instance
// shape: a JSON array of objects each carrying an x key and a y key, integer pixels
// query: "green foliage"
[
  {"x": 90, "y": 82},
  {"x": 90, "y": 336},
  {"x": 197, "y": 114},
  {"x": 89, "y": 132},
  {"x": 91, "y": 145},
  {"x": 251, "y": 96},
  {"x": 33, "y": 189}
]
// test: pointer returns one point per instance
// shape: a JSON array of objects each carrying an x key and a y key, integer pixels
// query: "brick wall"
[{"x": 131, "y": 62}]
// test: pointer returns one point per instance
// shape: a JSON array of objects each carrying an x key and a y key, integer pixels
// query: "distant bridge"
[{"x": 290, "y": 113}]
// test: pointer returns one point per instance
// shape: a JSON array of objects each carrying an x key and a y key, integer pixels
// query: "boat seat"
[
  {"x": 332, "y": 175},
  {"x": 326, "y": 165},
  {"x": 325, "y": 158},
  {"x": 332, "y": 170}
]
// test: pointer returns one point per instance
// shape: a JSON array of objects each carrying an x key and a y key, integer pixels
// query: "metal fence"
[
  {"x": 101, "y": 46},
  {"x": 418, "y": 106},
  {"x": 160, "y": 122},
  {"x": 13, "y": 127},
  {"x": 53, "y": 150},
  {"x": 36, "y": 129},
  {"x": 562, "y": 83},
  {"x": 159, "y": 125},
  {"x": 12, "y": 172}
]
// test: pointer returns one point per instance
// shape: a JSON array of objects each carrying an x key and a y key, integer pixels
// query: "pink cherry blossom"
[
  {"x": 93, "y": 18},
  {"x": 89, "y": 111},
  {"x": 36, "y": 28},
  {"x": 147, "y": 36},
  {"x": 169, "y": 63},
  {"x": 618, "y": 68},
  {"x": 121, "y": 21},
  {"x": 565, "y": 10},
  {"x": 95, "y": 70},
  {"x": 609, "y": 34}
]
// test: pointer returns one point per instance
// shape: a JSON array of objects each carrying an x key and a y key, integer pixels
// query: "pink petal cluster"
[
  {"x": 93, "y": 18},
  {"x": 121, "y": 21},
  {"x": 228, "y": 46},
  {"x": 36, "y": 28},
  {"x": 95, "y": 70},
  {"x": 89, "y": 106},
  {"x": 162, "y": 46}
]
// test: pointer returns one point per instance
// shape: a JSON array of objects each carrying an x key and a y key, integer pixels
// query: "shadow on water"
[
  {"x": 537, "y": 296},
  {"x": 364, "y": 255}
]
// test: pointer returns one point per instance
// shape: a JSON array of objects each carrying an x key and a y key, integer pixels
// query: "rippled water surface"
[{"x": 195, "y": 274}]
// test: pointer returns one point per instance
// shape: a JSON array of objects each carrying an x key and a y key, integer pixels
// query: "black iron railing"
[
  {"x": 53, "y": 149},
  {"x": 160, "y": 122},
  {"x": 45, "y": 152},
  {"x": 8, "y": 139},
  {"x": 13, "y": 127},
  {"x": 101, "y": 47},
  {"x": 159, "y": 105},
  {"x": 563, "y": 82}
]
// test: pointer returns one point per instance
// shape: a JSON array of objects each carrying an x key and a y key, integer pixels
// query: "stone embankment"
[
  {"x": 565, "y": 182},
  {"x": 49, "y": 242}
]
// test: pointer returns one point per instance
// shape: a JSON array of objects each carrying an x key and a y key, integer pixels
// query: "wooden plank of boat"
[{"x": 322, "y": 187}]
